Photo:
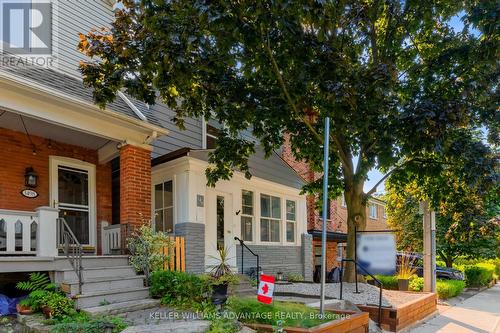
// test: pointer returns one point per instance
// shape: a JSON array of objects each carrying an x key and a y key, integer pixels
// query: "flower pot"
[
  {"x": 403, "y": 284},
  {"x": 24, "y": 309},
  {"x": 47, "y": 312},
  {"x": 219, "y": 293}
]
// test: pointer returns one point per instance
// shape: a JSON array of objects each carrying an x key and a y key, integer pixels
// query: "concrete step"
[
  {"x": 95, "y": 272},
  {"x": 244, "y": 292},
  {"x": 194, "y": 326},
  {"x": 62, "y": 262},
  {"x": 122, "y": 307},
  {"x": 101, "y": 284},
  {"x": 93, "y": 299}
]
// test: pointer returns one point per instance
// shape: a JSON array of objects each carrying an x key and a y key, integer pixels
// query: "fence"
[{"x": 174, "y": 254}]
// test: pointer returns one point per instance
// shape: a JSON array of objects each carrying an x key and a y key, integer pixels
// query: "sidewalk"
[{"x": 478, "y": 314}]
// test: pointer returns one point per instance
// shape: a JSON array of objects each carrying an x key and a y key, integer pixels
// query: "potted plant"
[
  {"x": 406, "y": 270},
  {"x": 222, "y": 276},
  {"x": 24, "y": 307}
]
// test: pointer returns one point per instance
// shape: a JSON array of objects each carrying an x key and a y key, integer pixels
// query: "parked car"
[{"x": 443, "y": 273}]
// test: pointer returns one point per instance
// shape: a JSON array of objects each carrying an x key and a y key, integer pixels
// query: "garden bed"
[{"x": 404, "y": 314}]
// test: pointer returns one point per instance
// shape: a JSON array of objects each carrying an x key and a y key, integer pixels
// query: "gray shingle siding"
[
  {"x": 72, "y": 17},
  {"x": 191, "y": 137},
  {"x": 194, "y": 245}
]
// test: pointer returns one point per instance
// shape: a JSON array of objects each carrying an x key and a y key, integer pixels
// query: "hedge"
[
  {"x": 444, "y": 288},
  {"x": 449, "y": 288},
  {"x": 388, "y": 281},
  {"x": 479, "y": 275}
]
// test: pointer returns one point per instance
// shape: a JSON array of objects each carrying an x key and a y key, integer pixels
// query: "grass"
[{"x": 250, "y": 311}]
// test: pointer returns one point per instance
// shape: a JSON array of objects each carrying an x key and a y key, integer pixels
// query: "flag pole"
[{"x": 325, "y": 203}]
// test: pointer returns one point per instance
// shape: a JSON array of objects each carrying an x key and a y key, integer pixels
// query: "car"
[{"x": 442, "y": 273}]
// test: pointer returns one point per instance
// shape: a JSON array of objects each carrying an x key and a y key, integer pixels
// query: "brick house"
[
  {"x": 336, "y": 215},
  {"x": 105, "y": 172}
]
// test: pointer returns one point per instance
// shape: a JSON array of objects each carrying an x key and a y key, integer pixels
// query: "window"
[
  {"x": 291, "y": 216},
  {"x": 270, "y": 212},
  {"x": 247, "y": 215},
  {"x": 328, "y": 208},
  {"x": 211, "y": 136},
  {"x": 164, "y": 207},
  {"x": 373, "y": 211},
  {"x": 343, "y": 204}
]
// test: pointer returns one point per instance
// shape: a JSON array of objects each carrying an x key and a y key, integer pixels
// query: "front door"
[
  {"x": 73, "y": 192},
  {"x": 219, "y": 234}
]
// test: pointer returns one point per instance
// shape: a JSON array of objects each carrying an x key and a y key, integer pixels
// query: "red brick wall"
[
  {"x": 16, "y": 154},
  {"x": 380, "y": 223},
  {"x": 302, "y": 168},
  {"x": 331, "y": 253},
  {"x": 135, "y": 185}
]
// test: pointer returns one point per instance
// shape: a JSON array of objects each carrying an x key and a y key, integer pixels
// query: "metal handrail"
[
  {"x": 380, "y": 285},
  {"x": 72, "y": 249},
  {"x": 243, "y": 245}
]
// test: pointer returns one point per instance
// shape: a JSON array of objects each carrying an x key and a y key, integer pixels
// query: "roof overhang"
[
  {"x": 23, "y": 96},
  {"x": 338, "y": 237}
]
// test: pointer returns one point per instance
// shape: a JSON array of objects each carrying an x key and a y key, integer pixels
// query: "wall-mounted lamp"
[{"x": 30, "y": 177}]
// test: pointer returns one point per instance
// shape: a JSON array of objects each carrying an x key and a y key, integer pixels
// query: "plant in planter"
[
  {"x": 221, "y": 276},
  {"x": 406, "y": 270},
  {"x": 37, "y": 282}
]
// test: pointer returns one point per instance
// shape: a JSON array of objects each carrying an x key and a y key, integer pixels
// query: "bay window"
[{"x": 270, "y": 221}]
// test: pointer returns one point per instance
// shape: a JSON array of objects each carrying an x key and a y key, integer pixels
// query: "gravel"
[{"x": 368, "y": 294}]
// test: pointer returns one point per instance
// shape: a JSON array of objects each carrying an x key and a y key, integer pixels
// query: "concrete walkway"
[{"x": 479, "y": 314}]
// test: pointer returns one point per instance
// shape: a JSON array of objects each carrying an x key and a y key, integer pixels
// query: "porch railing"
[
  {"x": 28, "y": 233},
  {"x": 18, "y": 232},
  {"x": 111, "y": 238},
  {"x": 72, "y": 248},
  {"x": 243, "y": 245}
]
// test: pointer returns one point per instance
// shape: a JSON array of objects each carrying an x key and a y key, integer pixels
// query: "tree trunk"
[{"x": 356, "y": 217}]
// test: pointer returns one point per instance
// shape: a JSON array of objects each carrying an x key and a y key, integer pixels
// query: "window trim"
[
  {"x": 246, "y": 215},
  {"x": 290, "y": 221},
  {"x": 163, "y": 208},
  {"x": 373, "y": 217},
  {"x": 343, "y": 204},
  {"x": 270, "y": 218}
]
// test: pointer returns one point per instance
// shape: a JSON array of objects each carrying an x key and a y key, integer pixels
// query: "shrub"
[
  {"x": 388, "y": 281},
  {"x": 449, "y": 288},
  {"x": 417, "y": 284},
  {"x": 292, "y": 277},
  {"x": 180, "y": 289},
  {"x": 146, "y": 248},
  {"x": 479, "y": 274}
]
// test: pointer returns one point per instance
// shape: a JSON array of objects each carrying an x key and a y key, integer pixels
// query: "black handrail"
[
  {"x": 380, "y": 285},
  {"x": 243, "y": 245},
  {"x": 72, "y": 249}
]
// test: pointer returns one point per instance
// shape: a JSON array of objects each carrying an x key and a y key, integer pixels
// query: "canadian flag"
[{"x": 266, "y": 289}]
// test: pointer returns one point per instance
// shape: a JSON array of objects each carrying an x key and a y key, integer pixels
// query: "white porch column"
[{"x": 46, "y": 233}]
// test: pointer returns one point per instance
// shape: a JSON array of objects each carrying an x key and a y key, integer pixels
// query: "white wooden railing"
[
  {"x": 111, "y": 238},
  {"x": 28, "y": 233}
]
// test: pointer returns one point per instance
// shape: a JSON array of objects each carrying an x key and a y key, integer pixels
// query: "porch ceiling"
[{"x": 12, "y": 121}]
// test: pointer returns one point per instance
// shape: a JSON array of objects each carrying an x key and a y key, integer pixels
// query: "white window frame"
[
  {"x": 285, "y": 238},
  {"x": 164, "y": 208},
  {"x": 374, "y": 217},
  {"x": 343, "y": 203},
  {"x": 271, "y": 219},
  {"x": 384, "y": 212},
  {"x": 205, "y": 134},
  {"x": 250, "y": 216}
]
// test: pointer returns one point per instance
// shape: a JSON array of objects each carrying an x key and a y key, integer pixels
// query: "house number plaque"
[{"x": 29, "y": 193}]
